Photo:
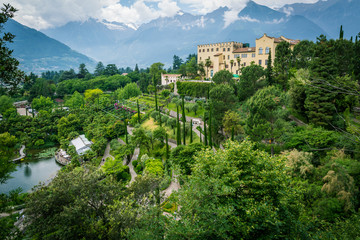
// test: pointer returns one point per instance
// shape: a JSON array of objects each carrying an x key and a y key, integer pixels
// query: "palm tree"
[
  {"x": 238, "y": 61},
  {"x": 231, "y": 64},
  {"x": 207, "y": 65}
]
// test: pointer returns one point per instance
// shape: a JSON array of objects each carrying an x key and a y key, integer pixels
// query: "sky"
[{"x": 43, "y": 14}]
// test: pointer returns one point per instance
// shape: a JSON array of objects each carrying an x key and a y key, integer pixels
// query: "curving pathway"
[
  {"x": 106, "y": 154},
  {"x": 22, "y": 154}
]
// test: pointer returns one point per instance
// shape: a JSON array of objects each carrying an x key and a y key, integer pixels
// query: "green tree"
[
  {"x": 208, "y": 64},
  {"x": 6, "y": 103},
  {"x": 82, "y": 71},
  {"x": 223, "y": 98},
  {"x": 10, "y": 75},
  {"x": 7, "y": 144},
  {"x": 266, "y": 115},
  {"x": 250, "y": 81},
  {"x": 177, "y": 61},
  {"x": 75, "y": 205},
  {"x": 303, "y": 53},
  {"x": 246, "y": 195},
  {"x": 111, "y": 70},
  {"x": 269, "y": 71},
  {"x": 92, "y": 94},
  {"x": 231, "y": 123},
  {"x": 223, "y": 76},
  {"x": 282, "y": 63},
  {"x": 42, "y": 103},
  {"x": 156, "y": 69},
  {"x": 297, "y": 91},
  {"x": 192, "y": 68},
  {"x": 76, "y": 101},
  {"x": 99, "y": 69},
  {"x": 129, "y": 91}
]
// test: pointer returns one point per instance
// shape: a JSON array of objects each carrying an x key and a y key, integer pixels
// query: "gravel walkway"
[{"x": 106, "y": 154}]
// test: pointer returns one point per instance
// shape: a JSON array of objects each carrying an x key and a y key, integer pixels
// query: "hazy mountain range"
[{"x": 160, "y": 39}]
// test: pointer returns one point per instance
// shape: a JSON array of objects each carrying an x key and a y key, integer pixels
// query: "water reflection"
[
  {"x": 31, "y": 173},
  {"x": 27, "y": 171}
]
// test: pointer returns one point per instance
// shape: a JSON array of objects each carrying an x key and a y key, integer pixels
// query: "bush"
[{"x": 193, "y": 89}]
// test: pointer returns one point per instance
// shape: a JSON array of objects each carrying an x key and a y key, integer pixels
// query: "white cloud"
[{"x": 41, "y": 14}]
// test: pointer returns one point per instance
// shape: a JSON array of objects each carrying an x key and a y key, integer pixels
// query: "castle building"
[{"x": 232, "y": 56}]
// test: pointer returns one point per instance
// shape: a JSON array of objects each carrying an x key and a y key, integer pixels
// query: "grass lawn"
[
  {"x": 199, "y": 112},
  {"x": 150, "y": 124}
]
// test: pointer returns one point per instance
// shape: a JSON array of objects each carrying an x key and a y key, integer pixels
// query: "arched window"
[
  {"x": 261, "y": 50},
  {"x": 267, "y": 50}
]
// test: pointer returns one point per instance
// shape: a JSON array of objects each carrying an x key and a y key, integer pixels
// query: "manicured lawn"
[{"x": 150, "y": 124}]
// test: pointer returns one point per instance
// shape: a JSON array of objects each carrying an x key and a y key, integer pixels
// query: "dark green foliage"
[
  {"x": 193, "y": 89},
  {"x": 184, "y": 156},
  {"x": 250, "y": 81},
  {"x": 269, "y": 71},
  {"x": 282, "y": 63},
  {"x": 102, "y": 82},
  {"x": 9, "y": 72},
  {"x": 183, "y": 119}
]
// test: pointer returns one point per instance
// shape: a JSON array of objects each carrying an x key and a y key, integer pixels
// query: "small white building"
[
  {"x": 81, "y": 144},
  {"x": 166, "y": 79}
]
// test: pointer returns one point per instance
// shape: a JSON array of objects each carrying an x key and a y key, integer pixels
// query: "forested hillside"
[{"x": 273, "y": 154}]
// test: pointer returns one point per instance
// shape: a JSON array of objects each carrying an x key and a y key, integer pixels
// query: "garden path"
[
  {"x": 22, "y": 154},
  {"x": 106, "y": 154}
]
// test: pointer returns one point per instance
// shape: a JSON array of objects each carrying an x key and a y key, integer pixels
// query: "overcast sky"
[{"x": 42, "y": 14}]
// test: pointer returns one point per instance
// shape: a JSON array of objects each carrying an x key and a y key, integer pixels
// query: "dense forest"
[{"x": 275, "y": 156}]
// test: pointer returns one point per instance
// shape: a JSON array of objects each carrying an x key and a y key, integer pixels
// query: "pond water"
[{"x": 29, "y": 173}]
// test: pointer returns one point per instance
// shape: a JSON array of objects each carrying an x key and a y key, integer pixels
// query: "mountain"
[
  {"x": 159, "y": 39},
  {"x": 91, "y": 37},
  {"x": 37, "y": 52},
  {"x": 329, "y": 15}
]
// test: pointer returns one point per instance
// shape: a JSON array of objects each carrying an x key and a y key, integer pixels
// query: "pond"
[{"x": 30, "y": 172}]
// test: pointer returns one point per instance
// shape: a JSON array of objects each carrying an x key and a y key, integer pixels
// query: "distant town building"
[
  {"x": 234, "y": 55},
  {"x": 166, "y": 79},
  {"x": 81, "y": 144}
]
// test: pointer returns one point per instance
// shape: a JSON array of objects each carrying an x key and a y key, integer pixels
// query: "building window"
[
  {"x": 212, "y": 49},
  {"x": 253, "y": 55},
  {"x": 203, "y": 50},
  {"x": 207, "y": 50},
  {"x": 266, "y": 62},
  {"x": 260, "y": 62},
  {"x": 228, "y": 49},
  {"x": 236, "y": 55},
  {"x": 267, "y": 50},
  {"x": 211, "y": 73},
  {"x": 244, "y": 64},
  {"x": 244, "y": 55},
  {"x": 228, "y": 57},
  {"x": 234, "y": 64},
  {"x": 224, "y": 57},
  {"x": 261, "y": 50},
  {"x": 200, "y": 58},
  {"x": 217, "y": 49},
  {"x": 199, "y": 50},
  {"x": 223, "y": 49}
]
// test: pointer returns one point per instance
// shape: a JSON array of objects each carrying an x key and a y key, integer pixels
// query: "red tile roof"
[{"x": 244, "y": 50}]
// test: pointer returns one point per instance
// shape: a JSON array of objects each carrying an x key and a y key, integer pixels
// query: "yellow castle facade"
[{"x": 232, "y": 56}]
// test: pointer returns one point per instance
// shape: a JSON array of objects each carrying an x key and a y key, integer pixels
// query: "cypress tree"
[
  {"x": 210, "y": 126},
  {"x": 178, "y": 137},
  {"x": 167, "y": 146},
  {"x": 184, "y": 120},
  {"x": 232, "y": 134},
  {"x": 138, "y": 108},
  {"x": 126, "y": 132},
  {"x": 269, "y": 71},
  {"x": 160, "y": 118},
  {"x": 205, "y": 134},
  {"x": 341, "y": 35},
  {"x": 191, "y": 136}
]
